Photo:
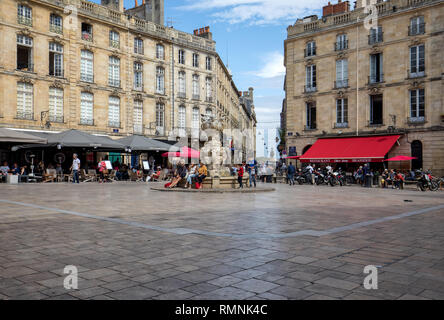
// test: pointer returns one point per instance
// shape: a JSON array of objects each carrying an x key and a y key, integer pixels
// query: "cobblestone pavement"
[{"x": 301, "y": 242}]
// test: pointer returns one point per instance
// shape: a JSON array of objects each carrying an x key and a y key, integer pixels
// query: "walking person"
[
  {"x": 75, "y": 168},
  {"x": 240, "y": 176},
  {"x": 252, "y": 171},
  {"x": 291, "y": 170}
]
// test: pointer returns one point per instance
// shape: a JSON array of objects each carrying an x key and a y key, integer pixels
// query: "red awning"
[{"x": 354, "y": 149}]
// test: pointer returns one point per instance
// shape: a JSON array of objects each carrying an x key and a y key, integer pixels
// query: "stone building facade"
[
  {"x": 97, "y": 68},
  {"x": 395, "y": 86}
]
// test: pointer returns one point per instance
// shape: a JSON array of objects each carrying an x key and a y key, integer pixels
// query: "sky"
[{"x": 249, "y": 37}]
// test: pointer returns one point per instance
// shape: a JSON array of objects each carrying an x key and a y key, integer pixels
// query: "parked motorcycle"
[
  {"x": 333, "y": 179},
  {"x": 427, "y": 181},
  {"x": 320, "y": 178}
]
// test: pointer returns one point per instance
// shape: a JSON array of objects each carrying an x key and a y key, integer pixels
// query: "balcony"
[
  {"x": 24, "y": 20},
  {"x": 413, "y": 75},
  {"x": 138, "y": 129},
  {"x": 310, "y": 89},
  {"x": 114, "y": 44},
  {"x": 341, "y": 125},
  {"x": 25, "y": 115},
  {"x": 309, "y": 53},
  {"x": 416, "y": 120},
  {"x": 181, "y": 95},
  {"x": 87, "y": 122},
  {"x": 87, "y": 36},
  {"x": 114, "y": 83},
  {"x": 374, "y": 79},
  {"x": 341, "y": 83},
  {"x": 375, "y": 38},
  {"x": 87, "y": 78},
  {"x": 196, "y": 97},
  {"x": 417, "y": 29},
  {"x": 57, "y": 119},
  {"x": 27, "y": 67},
  {"x": 57, "y": 73},
  {"x": 342, "y": 45},
  {"x": 55, "y": 29},
  {"x": 114, "y": 124}
]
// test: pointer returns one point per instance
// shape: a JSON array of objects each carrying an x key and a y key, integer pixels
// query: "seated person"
[
  {"x": 398, "y": 182},
  {"x": 154, "y": 175},
  {"x": 180, "y": 174},
  {"x": 4, "y": 169},
  {"x": 15, "y": 169},
  {"x": 201, "y": 173}
]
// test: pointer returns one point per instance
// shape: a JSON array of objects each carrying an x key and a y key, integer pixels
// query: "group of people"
[{"x": 188, "y": 173}]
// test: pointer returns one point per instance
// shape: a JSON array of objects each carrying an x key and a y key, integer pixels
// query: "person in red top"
[
  {"x": 240, "y": 175},
  {"x": 399, "y": 180}
]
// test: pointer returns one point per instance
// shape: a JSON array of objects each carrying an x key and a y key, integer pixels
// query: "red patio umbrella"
[
  {"x": 401, "y": 158},
  {"x": 185, "y": 152}
]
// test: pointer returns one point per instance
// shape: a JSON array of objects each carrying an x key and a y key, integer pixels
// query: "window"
[
  {"x": 160, "y": 80},
  {"x": 86, "y": 109},
  {"x": 182, "y": 87},
  {"x": 209, "y": 112},
  {"x": 114, "y": 72},
  {"x": 375, "y": 35},
  {"x": 181, "y": 56},
  {"x": 376, "y": 111},
  {"x": 196, "y": 94},
  {"x": 341, "y": 73},
  {"x": 417, "y": 61},
  {"x": 24, "y": 15},
  {"x": 311, "y": 116},
  {"x": 195, "y": 60},
  {"x": 196, "y": 118},
  {"x": 138, "y": 117},
  {"x": 24, "y": 53},
  {"x": 160, "y": 115},
  {"x": 182, "y": 117},
  {"x": 160, "y": 52},
  {"x": 138, "y": 46},
  {"x": 417, "y": 108},
  {"x": 310, "y": 79},
  {"x": 138, "y": 76},
  {"x": 87, "y": 34},
  {"x": 114, "y": 112},
  {"x": 114, "y": 39},
  {"x": 209, "y": 89},
  {"x": 341, "y": 42},
  {"x": 310, "y": 49},
  {"x": 86, "y": 66},
  {"x": 208, "y": 63},
  {"x": 55, "y": 23},
  {"x": 341, "y": 113},
  {"x": 376, "y": 74},
  {"x": 55, "y": 105},
  {"x": 417, "y": 26},
  {"x": 25, "y": 101},
  {"x": 55, "y": 59}
]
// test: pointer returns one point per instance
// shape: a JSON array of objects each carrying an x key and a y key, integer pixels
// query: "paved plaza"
[{"x": 301, "y": 242}]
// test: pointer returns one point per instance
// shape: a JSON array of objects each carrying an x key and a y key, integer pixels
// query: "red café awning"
[{"x": 353, "y": 149}]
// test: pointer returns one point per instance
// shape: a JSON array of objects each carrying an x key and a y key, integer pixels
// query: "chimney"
[
  {"x": 331, "y": 9},
  {"x": 204, "y": 33},
  {"x": 250, "y": 93}
]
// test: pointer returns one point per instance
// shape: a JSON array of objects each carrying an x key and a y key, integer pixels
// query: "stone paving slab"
[{"x": 136, "y": 243}]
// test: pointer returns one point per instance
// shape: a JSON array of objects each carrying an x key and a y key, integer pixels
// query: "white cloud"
[
  {"x": 256, "y": 12},
  {"x": 273, "y": 66}
]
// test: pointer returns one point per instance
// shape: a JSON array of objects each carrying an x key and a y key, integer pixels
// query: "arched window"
[
  {"x": 306, "y": 149},
  {"x": 182, "y": 85},
  {"x": 160, "y": 52},
  {"x": 160, "y": 80},
  {"x": 416, "y": 150},
  {"x": 196, "y": 94},
  {"x": 182, "y": 117}
]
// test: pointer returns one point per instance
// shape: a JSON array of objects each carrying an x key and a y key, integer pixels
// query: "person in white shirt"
[{"x": 75, "y": 168}]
